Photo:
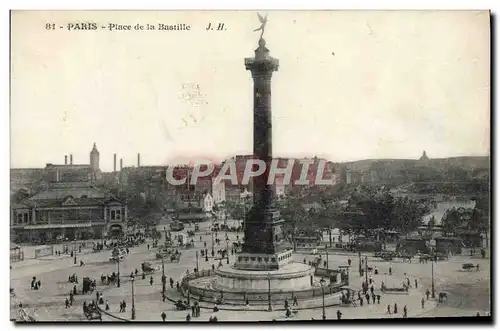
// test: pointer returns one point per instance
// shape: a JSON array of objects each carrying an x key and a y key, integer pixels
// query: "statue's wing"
[{"x": 261, "y": 19}]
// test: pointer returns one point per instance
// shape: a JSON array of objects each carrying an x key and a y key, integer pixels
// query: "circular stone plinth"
[{"x": 291, "y": 277}]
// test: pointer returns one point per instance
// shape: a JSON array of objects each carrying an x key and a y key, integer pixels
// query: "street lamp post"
[
  {"x": 227, "y": 250},
  {"x": 360, "y": 267},
  {"x": 213, "y": 253},
  {"x": 322, "y": 282},
  {"x": 433, "y": 290},
  {"x": 270, "y": 307},
  {"x": 74, "y": 252},
  {"x": 118, "y": 274},
  {"x": 326, "y": 250},
  {"x": 366, "y": 270},
  {"x": 163, "y": 280},
  {"x": 133, "y": 298}
]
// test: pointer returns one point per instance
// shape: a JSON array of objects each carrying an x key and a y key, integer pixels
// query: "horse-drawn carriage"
[
  {"x": 147, "y": 268},
  {"x": 180, "y": 305},
  {"x": 88, "y": 285},
  {"x": 169, "y": 255},
  {"x": 469, "y": 266},
  {"x": 91, "y": 312}
]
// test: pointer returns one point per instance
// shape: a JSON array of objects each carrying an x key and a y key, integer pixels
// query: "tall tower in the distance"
[{"x": 94, "y": 159}]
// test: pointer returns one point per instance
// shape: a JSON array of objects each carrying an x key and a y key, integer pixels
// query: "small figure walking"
[
  {"x": 151, "y": 281},
  {"x": 339, "y": 314},
  {"x": 395, "y": 308},
  {"x": 405, "y": 312},
  {"x": 163, "y": 316},
  {"x": 422, "y": 302},
  {"x": 389, "y": 309}
]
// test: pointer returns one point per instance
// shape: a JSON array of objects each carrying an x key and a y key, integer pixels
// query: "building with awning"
[{"x": 72, "y": 211}]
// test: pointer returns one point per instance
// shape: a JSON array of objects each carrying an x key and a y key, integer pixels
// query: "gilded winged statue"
[{"x": 263, "y": 22}]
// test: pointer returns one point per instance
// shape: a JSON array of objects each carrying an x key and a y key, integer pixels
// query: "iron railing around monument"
[{"x": 235, "y": 297}]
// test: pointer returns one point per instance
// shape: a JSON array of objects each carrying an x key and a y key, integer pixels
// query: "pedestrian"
[
  {"x": 349, "y": 262},
  {"x": 422, "y": 302},
  {"x": 151, "y": 281},
  {"x": 372, "y": 289},
  {"x": 295, "y": 301},
  {"x": 378, "y": 298},
  {"x": 395, "y": 308},
  {"x": 367, "y": 296},
  {"x": 136, "y": 272},
  {"x": 171, "y": 282},
  {"x": 40, "y": 282},
  {"x": 389, "y": 309},
  {"x": 286, "y": 303},
  {"x": 427, "y": 293},
  {"x": 361, "y": 301},
  {"x": 163, "y": 316},
  {"x": 339, "y": 314},
  {"x": 405, "y": 312},
  {"x": 416, "y": 283},
  {"x": 213, "y": 267},
  {"x": 390, "y": 270},
  {"x": 193, "y": 313},
  {"x": 67, "y": 303},
  {"x": 107, "y": 305},
  {"x": 148, "y": 247},
  {"x": 124, "y": 306}
]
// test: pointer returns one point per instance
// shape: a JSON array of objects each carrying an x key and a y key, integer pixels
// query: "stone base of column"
[{"x": 263, "y": 262}]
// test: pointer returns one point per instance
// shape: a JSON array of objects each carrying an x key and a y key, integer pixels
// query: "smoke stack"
[
  {"x": 71, "y": 159},
  {"x": 121, "y": 164},
  {"x": 114, "y": 162},
  {"x": 65, "y": 159},
  {"x": 138, "y": 160}
]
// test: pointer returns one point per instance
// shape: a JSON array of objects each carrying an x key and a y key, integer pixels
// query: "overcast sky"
[{"x": 351, "y": 85}]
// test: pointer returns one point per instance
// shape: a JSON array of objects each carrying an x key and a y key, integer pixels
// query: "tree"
[{"x": 409, "y": 213}]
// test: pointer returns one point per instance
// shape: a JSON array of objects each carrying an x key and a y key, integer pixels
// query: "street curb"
[
  {"x": 257, "y": 309},
  {"x": 121, "y": 319}
]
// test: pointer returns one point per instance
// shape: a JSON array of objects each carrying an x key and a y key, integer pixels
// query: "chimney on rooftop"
[
  {"x": 65, "y": 159},
  {"x": 114, "y": 162},
  {"x": 121, "y": 164},
  {"x": 71, "y": 159},
  {"x": 138, "y": 160}
]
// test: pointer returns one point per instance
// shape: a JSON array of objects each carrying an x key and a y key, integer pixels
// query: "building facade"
[
  {"x": 69, "y": 207},
  {"x": 67, "y": 211}
]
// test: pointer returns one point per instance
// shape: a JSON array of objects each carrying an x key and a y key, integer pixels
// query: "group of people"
[{"x": 35, "y": 284}]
